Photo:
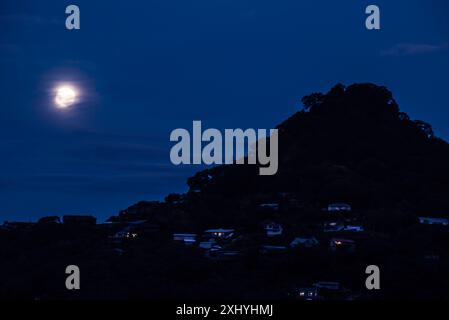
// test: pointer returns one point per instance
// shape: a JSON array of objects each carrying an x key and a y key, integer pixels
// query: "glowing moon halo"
[{"x": 65, "y": 96}]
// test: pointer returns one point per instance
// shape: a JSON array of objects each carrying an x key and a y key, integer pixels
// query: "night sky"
[{"x": 145, "y": 68}]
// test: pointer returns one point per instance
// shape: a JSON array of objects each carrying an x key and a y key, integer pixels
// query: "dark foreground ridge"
[{"x": 359, "y": 183}]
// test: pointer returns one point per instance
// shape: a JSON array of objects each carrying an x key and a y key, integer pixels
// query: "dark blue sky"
[{"x": 148, "y": 67}]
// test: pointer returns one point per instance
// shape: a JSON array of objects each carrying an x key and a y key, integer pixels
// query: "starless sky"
[{"x": 147, "y": 67}]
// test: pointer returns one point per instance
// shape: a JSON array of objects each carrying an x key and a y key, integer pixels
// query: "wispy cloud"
[
  {"x": 90, "y": 162},
  {"x": 405, "y": 49}
]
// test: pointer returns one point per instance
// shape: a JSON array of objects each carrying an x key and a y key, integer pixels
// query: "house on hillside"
[
  {"x": 130, "y": 231},
  {"x": 338, "y": 207},
  {"x": 342, "y": 245},
  {"x": 334, "y": 226},
  {"x": 431, "y": 257},
  {"x": 354, "y": 228},
  {"x": 308, "y": 293},
  {"x": 186, "y": 238},
  {"x": 433, "y": 221},
  {"x": 219, "y": 234},
  {"x": 324, "y": 290},
  {"x": 273, "y": 229},
  {"x": 125, "y": 235}
]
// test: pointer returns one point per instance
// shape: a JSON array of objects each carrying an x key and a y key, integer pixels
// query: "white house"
[
  {"x": 215, "y": 248},
  {"x": 219, "y": 233},
  {"x": 354, "y": 228},
  {"x": 342, "y": 245},
  {"x": 129, "y": 232},
  {"x": 308, "y": 293},
  {"x": 434, "y": 221},
  {"x": 334, "y": 226},
  {"x": 273, "y": 229},
  {"x": 125, "y": 234},
  {"x": 338, "y": 207},
  {"x": 186, "y": 238}
]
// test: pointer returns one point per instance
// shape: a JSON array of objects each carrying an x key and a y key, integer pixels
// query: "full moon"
[{"x": 65, "y": 96}]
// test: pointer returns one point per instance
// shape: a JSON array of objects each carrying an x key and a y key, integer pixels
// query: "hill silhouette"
[{"x": 352, "y": 144}]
